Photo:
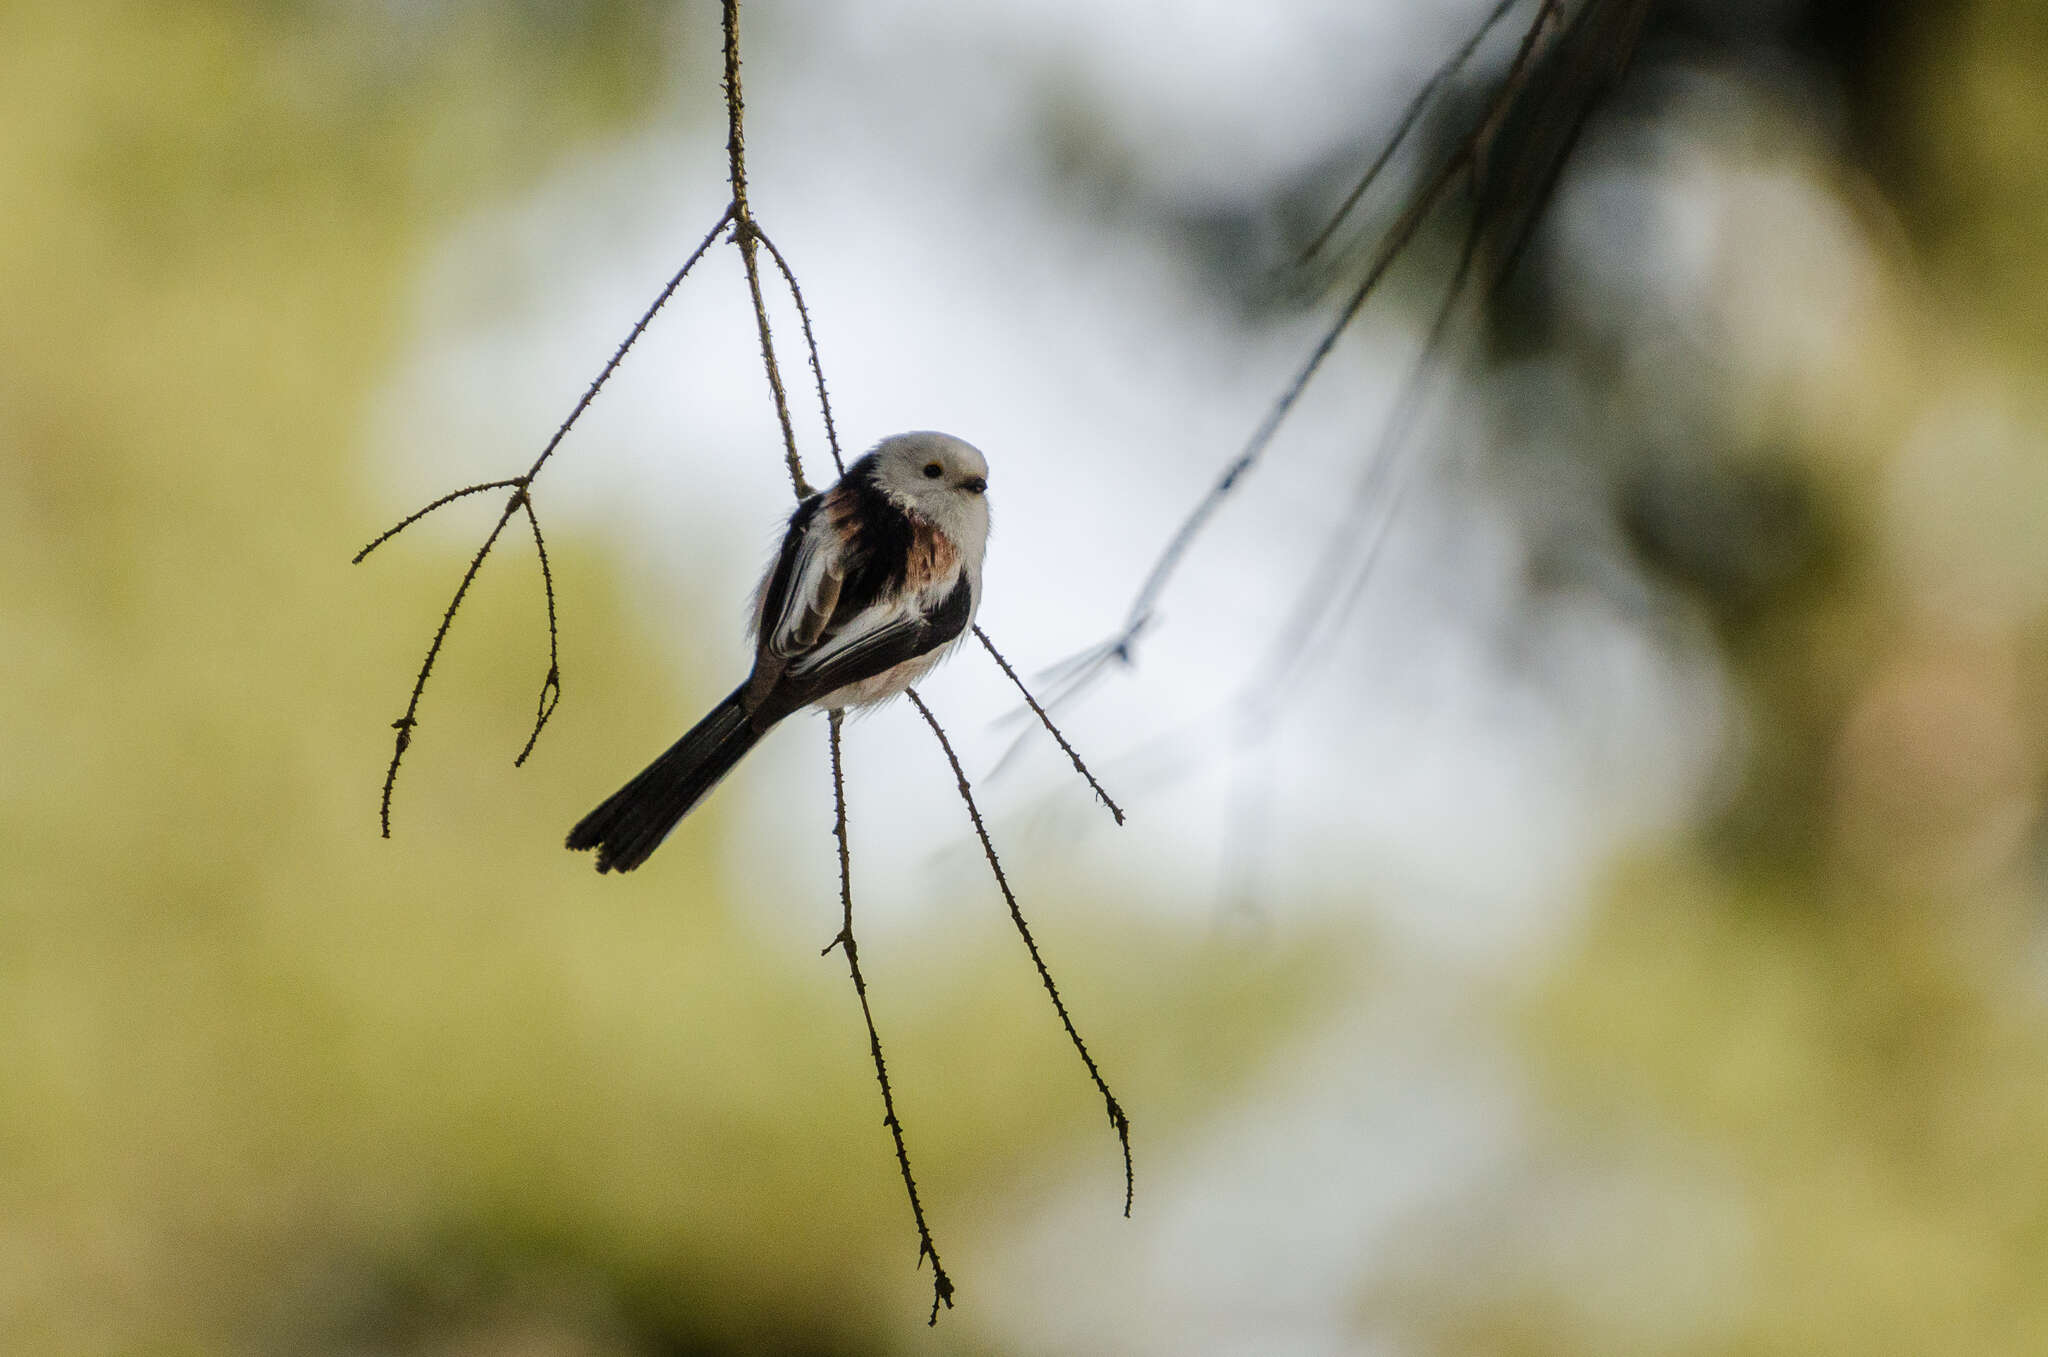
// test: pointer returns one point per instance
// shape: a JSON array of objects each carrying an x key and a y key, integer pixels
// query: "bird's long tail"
[{"x": 634, "y": 820}]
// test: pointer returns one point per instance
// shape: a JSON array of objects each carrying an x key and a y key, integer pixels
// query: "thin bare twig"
[
  {"x": 1117, "y": 1118},
  {"x": 1045, "y": 720},
  {"x": 942, "y": 1285},
  {"x": 803, "y": 314},
  {"x": 404, "y": 724},
  {"x": 747, "y": 236},
  {"x": 550, "y": 686},
  {"x": 416, "y": 515},
  {"x": 626, "y": 344}
]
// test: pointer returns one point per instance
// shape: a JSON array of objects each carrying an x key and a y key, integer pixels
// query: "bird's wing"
[
  {"x": 880, "y": 638},
  {"x": 802, "y": 591}
]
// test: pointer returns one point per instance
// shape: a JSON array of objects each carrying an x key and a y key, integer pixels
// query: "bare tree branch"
[
  {"x": 416, "y": 515},
  {"x": 803, "y": 313},
  {"x": 747, "y": 236},
  {"x": 942, "y": 1285},
  {"x": 551, "y": 685},
  {"x": 1045, "y": 720},
  {"x": 1120, "y": 1122}
]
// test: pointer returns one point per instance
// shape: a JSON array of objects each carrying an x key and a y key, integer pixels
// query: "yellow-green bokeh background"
[{"x": 268, "y": 1083}]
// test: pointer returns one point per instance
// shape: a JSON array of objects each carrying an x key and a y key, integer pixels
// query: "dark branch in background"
[
  {"x": 1512, "y": 184},
  {"x": 1317, "y": 605},
  {"x": 1531, "y": 134},
  {"x": 942, "y": 1285},
  {"x": 521, "y": 498},
  {"x": 748, "y": 237},
  {"x": 1117, "y": 1119},
  {"x": 1410, "y": 119}
]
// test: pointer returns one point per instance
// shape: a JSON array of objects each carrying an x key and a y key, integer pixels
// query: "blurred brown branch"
[{"x": 1508, "y": 161}]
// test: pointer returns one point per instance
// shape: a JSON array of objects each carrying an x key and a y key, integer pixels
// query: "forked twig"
[
  {"x": 521, "y": 487},
  {"x": 404, "y": 724},
  {"x": 942, "y": 1285},
  {"x": 1117, "y": 1118}
]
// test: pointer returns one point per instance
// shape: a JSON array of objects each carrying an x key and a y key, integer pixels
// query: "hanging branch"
[
  {"x": 1117, "y": 1119},
  {"x": 748, "y": 236},
  {"x": 942, "y": 1285},
  {"x": 551, "y": 686},
  {"x": 1317, "y": 604},
  {"x": 1046, "y": 720},
  {"x": 811, "y": 343}
]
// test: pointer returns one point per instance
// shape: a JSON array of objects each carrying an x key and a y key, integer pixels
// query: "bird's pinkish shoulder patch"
[{"x": 933, "y": 557}]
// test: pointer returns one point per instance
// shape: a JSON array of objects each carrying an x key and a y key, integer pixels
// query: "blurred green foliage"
[
  {"x": 271, "y": 1084},
  {"x": 1792, "y": 1091}
]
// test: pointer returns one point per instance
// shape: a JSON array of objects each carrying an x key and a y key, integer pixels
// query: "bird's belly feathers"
[{"x": 885, "y": 685}]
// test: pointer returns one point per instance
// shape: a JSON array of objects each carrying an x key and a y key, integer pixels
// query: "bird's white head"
[{"x": 941, "y": 479}]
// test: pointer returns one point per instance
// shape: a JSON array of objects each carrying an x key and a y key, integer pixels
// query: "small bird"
[{"x": 877, "y": 578}]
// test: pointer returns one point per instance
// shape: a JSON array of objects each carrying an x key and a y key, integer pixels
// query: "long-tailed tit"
[{"x": 877, "y": 578}]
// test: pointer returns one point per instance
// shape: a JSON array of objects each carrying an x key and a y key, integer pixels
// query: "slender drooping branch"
[
  {"x": 748, "y": 236},
  {"x": 1046, "y": 720},
  {"x": 942, "y": 1285},
  {"x": 1117, "y": 1120},
  {"x": 551, "y": 685},
  {"x": 803, "y": 314}
]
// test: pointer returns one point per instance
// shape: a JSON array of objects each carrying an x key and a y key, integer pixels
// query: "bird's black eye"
[{"x": 932, "y": 471}]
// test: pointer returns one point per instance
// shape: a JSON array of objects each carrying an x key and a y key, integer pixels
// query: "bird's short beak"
[{"x": 974, "y": 485}]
